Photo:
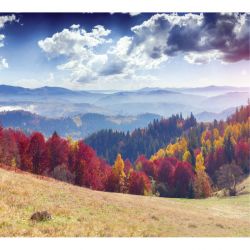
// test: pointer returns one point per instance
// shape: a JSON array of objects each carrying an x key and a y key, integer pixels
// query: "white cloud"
[
  {"x": 134, "y": 13},
  {"x": 30, "y": 108},
  {"x": 202, "y": 57},
  {"x": 126, "y": 60},
  {"x": 78, "y": 47},
  {"x": 75, "y": 26},
  {"x": 3, "y": 63},
  {"x": 7, "y": 19},
  {"x": 84, "y": 64},
  {"x": 199, "y": 38},
  {"x": 171, "y": 34},
  {"x": 3, "y": 21},
  {"x": 1, "y": 40},
  {"x": 74, "y": 42}
]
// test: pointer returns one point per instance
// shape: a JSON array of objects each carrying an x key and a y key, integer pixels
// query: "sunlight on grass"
[{"x": 79, "y": 211}]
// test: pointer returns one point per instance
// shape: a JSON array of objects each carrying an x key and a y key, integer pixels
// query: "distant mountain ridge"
[
  {"x": 56, "y": 102},
  {"x": 10, "y": 89},
  {"x": 211, "y": 116},
  {"x": 78, "y": 126}
]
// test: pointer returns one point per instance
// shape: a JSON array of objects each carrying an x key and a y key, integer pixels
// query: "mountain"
[
  {"x": 211, "y": 90},
  {"x": 152, "y": 96},
  {"x": 13, "y": 90},
  {"x": 53, "y": 109},
  {"x": 210, "y": 116},
  {"x": 162, "y": 108},
  {"x": 78, "y": 126},
  {"x": 55, "y": 102},
  {"x": 222, "y": 102},
  {"x": 46, "y": 93}
]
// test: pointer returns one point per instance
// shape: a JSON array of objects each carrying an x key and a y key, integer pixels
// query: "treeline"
[
  {"x": 77, "y": 163},
  {"x": 67, "y": 160},
  {"x": 218, "y": 152},
  {"x": 159, "y": 133},
  {"x": 56, "y": 157},
  {"x": 205, "y": 157}
]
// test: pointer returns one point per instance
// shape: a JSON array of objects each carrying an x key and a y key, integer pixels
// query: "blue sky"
[{"x": 124, "y": 51}]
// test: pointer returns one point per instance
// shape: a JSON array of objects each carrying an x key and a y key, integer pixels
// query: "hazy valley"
[{"x": 80, "y": 113}]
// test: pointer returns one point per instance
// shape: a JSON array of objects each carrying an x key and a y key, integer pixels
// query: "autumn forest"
[
  {"x": 124, "y": 124},
  {"x": 191, "y": 159}
]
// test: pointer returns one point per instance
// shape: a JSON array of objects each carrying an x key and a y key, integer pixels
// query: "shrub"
[
  {"x": 202, "y": 186},
  {"x": 62, "y": 173},
  {"x": 228, "y": 176}
]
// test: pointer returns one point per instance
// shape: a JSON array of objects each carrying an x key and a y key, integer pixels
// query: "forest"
[
  {"x": 173, "y": 157},
  {"x": 108, "y": 143}
]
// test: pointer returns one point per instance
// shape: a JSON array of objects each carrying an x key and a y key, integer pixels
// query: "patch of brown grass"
[{"x": 79, "y": 211}]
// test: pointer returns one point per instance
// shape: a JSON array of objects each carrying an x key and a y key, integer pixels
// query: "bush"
[
  {"x": 228, "y": 176},
  {"x": 139, "y": 183},
  {"x": 202, "y": 185},
  {"x": 62, "y": 173}
]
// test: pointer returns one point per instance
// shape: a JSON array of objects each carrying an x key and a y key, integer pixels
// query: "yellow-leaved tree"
[
  {"x": 119, "y": 166},
  {"x": 118, "y": 170},
  {"x": 199, "y": 163},
  {"x": 202, "y": 185},
  {"x": 158, "y": 155},
  {"x": 187, "y": 156}
]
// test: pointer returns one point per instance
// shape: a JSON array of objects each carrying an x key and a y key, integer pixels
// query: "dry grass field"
[{"x": 79, "y": 211}]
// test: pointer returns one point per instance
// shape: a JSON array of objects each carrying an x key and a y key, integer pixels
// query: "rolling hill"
[
  {"x": 77, "y": 126},
  {"x": 213, "y": 90},
  {"x": 79, "y": 211},
  {"x": 55, "y": 102},
  {"x": 211, "y": 116},
  {"x": 222, "y": 102}
]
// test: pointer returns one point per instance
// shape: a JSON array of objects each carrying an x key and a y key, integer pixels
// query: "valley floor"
[{"x": 79, "y": 211}]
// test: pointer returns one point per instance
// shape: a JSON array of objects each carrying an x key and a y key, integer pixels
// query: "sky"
[{"x": 123, "y": 51}]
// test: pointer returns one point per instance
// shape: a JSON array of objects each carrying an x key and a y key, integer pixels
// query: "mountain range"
[
  {"x": 54, "y": 108},
  {"x": 77, "y": 127}
]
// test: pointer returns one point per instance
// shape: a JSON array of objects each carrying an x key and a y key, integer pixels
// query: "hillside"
[
  {"x": 79, "y": 211},
  {"x": 211, "y": 116},
  {"x": 77, "y": 126}
]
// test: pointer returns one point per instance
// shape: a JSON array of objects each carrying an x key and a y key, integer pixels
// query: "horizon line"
[{"x": 120, "y": 90}]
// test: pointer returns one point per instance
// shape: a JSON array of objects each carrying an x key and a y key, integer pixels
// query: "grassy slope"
[{"x": 82, "y": 212}]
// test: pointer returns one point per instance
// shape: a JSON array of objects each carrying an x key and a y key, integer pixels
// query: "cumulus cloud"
[
  {"x": 3, "y": 21},
  {"x": 74, "y": 41},
  {"x": 190, "y": 34},
  {"x": 125, "y": 59},
  {"x": 78, "y": 47},
  {"x": 199, "y": 38},
  {"x": 7, "y": 19},
  {"x": 202, "y": 57}
]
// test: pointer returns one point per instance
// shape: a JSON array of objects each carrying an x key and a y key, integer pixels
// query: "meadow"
[{"x": 78, "y": 211}]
